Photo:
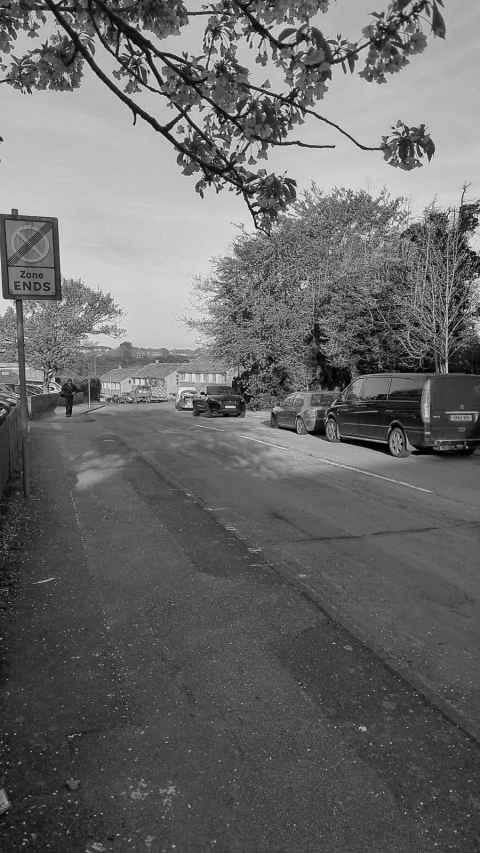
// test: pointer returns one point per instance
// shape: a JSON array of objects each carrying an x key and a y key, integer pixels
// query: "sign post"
[{"x": 30, "y": 260}]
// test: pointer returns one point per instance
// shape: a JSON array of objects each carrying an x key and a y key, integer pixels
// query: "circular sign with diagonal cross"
[
  {"x": 30, "y": 244},
  {"x": 30, "y": 257}
]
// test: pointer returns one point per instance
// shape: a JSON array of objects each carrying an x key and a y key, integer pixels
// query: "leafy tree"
[
  {"x": 436, "y": 302},
  {"x": 56, "y": 331},
  {"x": 299, "y": 307},
  {"x": 225, "y": 116}
]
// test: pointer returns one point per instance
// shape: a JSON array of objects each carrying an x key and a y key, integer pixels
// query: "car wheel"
[
  {"x": 467, "y": 451},
  {"x": 242, "y": 413},
  {"x": 331, "y": 430},
  {"x": 397, "y": 443},
  {"x": 300, "y": 426},
  {"x": 273, "y": 421},
  {"x": 196, "y": 413}
]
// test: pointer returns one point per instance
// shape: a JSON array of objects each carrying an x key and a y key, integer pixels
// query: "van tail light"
[{"x": 426, "y": 402}]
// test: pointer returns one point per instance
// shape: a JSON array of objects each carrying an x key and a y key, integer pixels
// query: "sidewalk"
[{"x": 162, "y": 689}]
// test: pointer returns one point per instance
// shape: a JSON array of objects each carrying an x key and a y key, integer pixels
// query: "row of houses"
[{"x": 167, "y": 377}]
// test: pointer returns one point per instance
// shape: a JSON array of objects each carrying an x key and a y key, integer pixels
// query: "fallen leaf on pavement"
[{"x": 4, "y": 801}]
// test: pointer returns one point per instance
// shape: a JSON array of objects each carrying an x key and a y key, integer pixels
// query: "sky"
[{"x": 132, "y": 224}]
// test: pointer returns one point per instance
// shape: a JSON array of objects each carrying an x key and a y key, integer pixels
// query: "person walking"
[{"x": 67, "y": 392}]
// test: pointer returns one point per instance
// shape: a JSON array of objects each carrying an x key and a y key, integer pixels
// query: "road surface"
[
  {"x": 390, "y": 546},
  {"x": 232, "y": 638}
]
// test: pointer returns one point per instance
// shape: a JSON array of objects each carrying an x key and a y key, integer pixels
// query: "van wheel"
[
  {"x": 196, "y": 413},
  {"x": 331, "y": 430},
  {"x": 397, "y": 443},
  {"x": 467, "y": 451},
  {"x": 300, "y": 426},
  {"x": 273, "y": 421}
]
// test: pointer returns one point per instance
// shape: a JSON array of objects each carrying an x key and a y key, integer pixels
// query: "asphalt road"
[
  {"x": 389, "y": 546},
  {"x": 234, "y": 639}
]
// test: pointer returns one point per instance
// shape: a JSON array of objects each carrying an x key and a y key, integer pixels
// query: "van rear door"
[{"x": 455, "y": 407}]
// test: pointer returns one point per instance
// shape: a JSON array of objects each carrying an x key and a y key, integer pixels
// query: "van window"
[
  {"x": 454, "y": 392},
  {"x": 288, "y": 401},
  {"x": 354, "y": 391},
  {"x": 322, "y": 399},
  {"x": 406, "y": 387},
  {"x": 298, "y": 402},
  {"x": 376, "y": 388}
]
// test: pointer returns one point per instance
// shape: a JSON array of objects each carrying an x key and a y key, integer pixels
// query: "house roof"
[
  {"x": 119, "y": 373},
  {"x": 156, "y": 370},
  {"x": 202, "y": 365}
]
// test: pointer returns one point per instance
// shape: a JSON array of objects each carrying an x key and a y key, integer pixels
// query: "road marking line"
[
  {"x": 371, "y": 474},
  {"x": 216, "y": 429},
  {"x": 258, "y": 440},
  {"x": 346, "y": 467}
]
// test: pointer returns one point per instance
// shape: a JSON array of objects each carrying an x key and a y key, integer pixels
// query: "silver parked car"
[{"x": 303, "y": 411}]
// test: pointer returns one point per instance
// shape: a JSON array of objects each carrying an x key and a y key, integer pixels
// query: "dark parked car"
[
  {"x": 218, "y": 401},
  {"x": 436, "y": 411},
  {"x": 304, "y": 411}
]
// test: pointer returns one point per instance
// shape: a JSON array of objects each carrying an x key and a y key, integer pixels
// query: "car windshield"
[{"x": 220, "y": 389}]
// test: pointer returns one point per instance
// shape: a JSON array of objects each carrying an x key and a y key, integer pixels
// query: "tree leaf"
[
  {"x": 438, "y": 24},
  {"x": 316, "y": 57},
  {"x": 428, "y": 146},
  {"x": 286, "y": 33}
]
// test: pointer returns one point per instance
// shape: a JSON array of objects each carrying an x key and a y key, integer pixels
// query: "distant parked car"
[
  {"x": 219, "y": 401},
  {"x": 303, "y": 411},
  {"x": 185, "y": 397},
  {"x": 7, "y": 403},
  {"x": 30, "y": 389},
  {"x": 9, "y": 397},
  {"x": 142, "y": 394},
  {"x": 428, "y": 411},
  {"x": 8, "y": 391},
  {"x": 158, "y": 395}
]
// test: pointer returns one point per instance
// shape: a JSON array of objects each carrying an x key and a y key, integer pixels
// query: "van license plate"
[{"x": 460, "y": 417}]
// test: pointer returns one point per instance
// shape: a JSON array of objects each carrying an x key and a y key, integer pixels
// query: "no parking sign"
[{"x": 30, "y": 257}]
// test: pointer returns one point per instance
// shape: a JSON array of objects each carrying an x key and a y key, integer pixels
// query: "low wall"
[
  {"x": 38, "y": 404},
  {"x": 10, "y": 448},
  {"x": 78, "y": 397}
]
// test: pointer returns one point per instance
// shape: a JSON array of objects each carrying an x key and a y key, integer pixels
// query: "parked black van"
[{"x": 437, "y": 411}]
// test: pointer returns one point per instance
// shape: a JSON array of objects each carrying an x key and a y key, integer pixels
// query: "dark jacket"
[{"x": 68, "y": 389}]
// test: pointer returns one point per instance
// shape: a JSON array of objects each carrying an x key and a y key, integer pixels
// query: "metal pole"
[
  {"x": 24, "y": 425},
  {"x": 88, "y": 380}
]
